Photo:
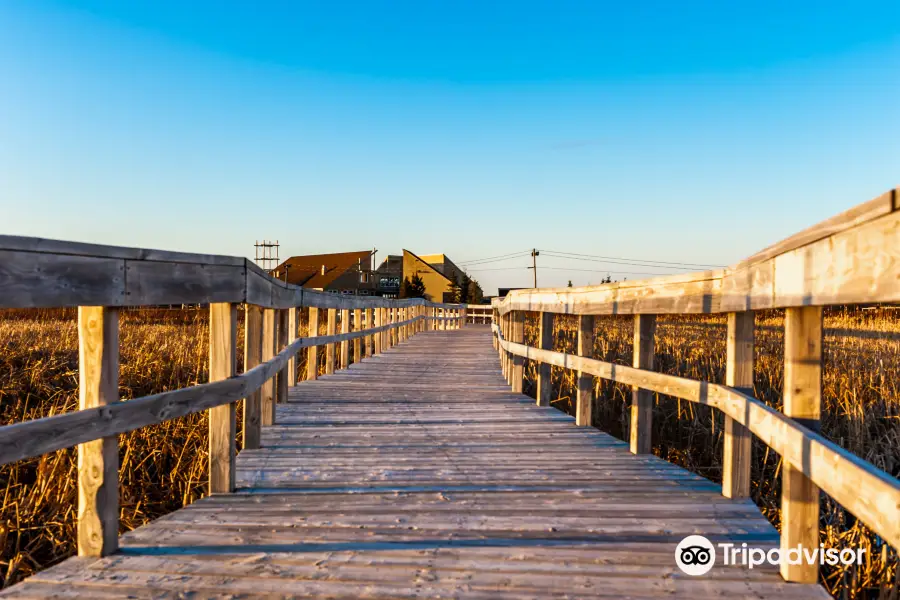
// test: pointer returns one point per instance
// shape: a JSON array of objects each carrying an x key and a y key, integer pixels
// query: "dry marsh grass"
[{"x": 860, "y": 412}]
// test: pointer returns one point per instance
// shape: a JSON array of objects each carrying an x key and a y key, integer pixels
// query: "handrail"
[
  {"x": 873, "y": 496},
  {"x": 853, "y": 258}
]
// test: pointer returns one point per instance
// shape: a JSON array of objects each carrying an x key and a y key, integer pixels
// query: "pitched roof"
[
  {"x": 427, "y": 264},
  {"x": 307, "y": 270}
]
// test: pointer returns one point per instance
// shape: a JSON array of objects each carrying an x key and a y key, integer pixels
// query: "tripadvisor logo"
[{"x": 695, "y": 555}]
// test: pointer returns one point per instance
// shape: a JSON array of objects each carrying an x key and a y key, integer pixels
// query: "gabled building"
[
  {"x": 338, "y": 273},
  {"x": 436, "y": 271}
]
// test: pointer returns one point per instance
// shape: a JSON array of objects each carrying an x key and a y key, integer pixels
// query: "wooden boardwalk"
[{"x": 418, "y": 474}]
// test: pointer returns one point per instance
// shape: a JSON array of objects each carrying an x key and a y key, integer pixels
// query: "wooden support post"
[
  {"x": 738, "y": 374},
  {"x": 642, "y": 400},
  {"x": 379, "y": 337},
  {"x": 253, "y": 356},
  {"x": 291, "y": 338},
  {"x": 222, "y": 427},
  {"x": 518, "y": 363},
  {"x": 312, "y": 353},
  {"x": 504, "y": 355},
  {"x": 281, "y": 389},
  {"x": 401, "y": 330},
  {"x": 345, "y": 345},
  {"x": 330, "y": 348},
  {"x": 370, "y": 324},
  {"x": 98, "y": 460},
  {"x": 545, "y": 342},
  {"x": 803, "y": 403},
  {"x": 392, "y": 332},
  {"x": 584, "y": 406},
  {"x": 267, "y": 391},
  {"x": 357, "y": 342}
]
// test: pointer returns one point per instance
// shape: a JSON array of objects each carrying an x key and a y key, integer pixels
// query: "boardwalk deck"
[{"x": 417, "y": 473}]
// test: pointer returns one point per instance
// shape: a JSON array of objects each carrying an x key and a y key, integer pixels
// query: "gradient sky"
[{"x": 679, "y": 131}]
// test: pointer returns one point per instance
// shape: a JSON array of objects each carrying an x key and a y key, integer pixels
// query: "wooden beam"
[
  {"x": 253, "y": 356},
  {"x": 641, "y": 399},
  {"x": 312, "y": 353},
  {"x": 358, "y": 342},
  {"x": 330, "y": 349},
  {"x": 281, "y": 389},
  {"x": 345, "y": 345},
  {"x": 98, "y": 460},
  {"x": 292, "y": 334},
  {"x": 739, "y": 375},
  {"x": 584, "y": 406},
  {"x": 518, "y": 363},
  {"x": 545, "y": 341},
  {"x": 803, "y": 403},
  {"x": 222, "y": 344},
  {"x": 267, "y": 392}
]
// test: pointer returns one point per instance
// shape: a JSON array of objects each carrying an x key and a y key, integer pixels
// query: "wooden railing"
[
  {"x": 479, "y": 313},
  {"x": 101, "y": 279},
  {"x": 853, "y": 258}
]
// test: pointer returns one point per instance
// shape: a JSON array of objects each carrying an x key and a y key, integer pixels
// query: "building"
[
  {"x": 338, "y": 273},
  {"x": 436, "y": 271}
]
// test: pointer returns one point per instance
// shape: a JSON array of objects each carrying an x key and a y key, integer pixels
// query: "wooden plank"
[
  {"x": 345, "y": 345},
  {"x": 517, "y": 334},
  {"x": 329, "y": 348},
  {"x": 358, "y": 342},
  {"x": 292, "y": 334},
  {"x": 152, "y": 282},
  {"x": 641, "y": 425},
  {"x": 312, "y": 354},
  {"x": 545, "y": 341},
  {"x": 253, "y": 356},
  {"x": 30, "y": 280},
  {"x": 739, "y": 375},
  {"x": 803, "y": 403},
  {"x": 584, "y": 406},
  {"x": 281, "y": 380},
  {"x": 222, "y": 428},
  {"x": 98, "y": 460},
  {"x": 269, "y": 341}
]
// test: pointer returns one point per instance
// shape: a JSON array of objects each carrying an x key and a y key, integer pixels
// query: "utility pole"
[{"x": 534, "y": 255}]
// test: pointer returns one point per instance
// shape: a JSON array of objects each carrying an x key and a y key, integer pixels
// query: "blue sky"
[{"x": 694, "y": 132}]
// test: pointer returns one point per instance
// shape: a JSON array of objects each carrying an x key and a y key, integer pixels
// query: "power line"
[
  {"x": 576, "y": 256},
  {"x": 494, "y": 258}
]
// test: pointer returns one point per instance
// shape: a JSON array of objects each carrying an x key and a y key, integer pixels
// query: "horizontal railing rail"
[
  {"x": 99, "y": 280},
  {"x": 853, "y": 258}
]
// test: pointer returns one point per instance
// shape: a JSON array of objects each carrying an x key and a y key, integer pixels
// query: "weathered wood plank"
[
  {"x": 345, "y": 345},
  {"x": 545, "y": 341},
  {"x": 98, "y": 460},
  {"x": 222, "y": 427},
  {"x": 312, "y": 356},
  {"x": 253, "y": 357},
  {"x": 641, "y": 424},
  {"x": 270, "y": 342},
  {"x": 739, "y": 375},
  {"x": 584, "y": 407}
]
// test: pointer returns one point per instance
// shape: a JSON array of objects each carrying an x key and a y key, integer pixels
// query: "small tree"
[
  {"x": 475, "y": 293},
  {"x": 570, "y": 283},
  {"x": 464, "y": 290},
  {"x": 606, "y": 279},
  {"x": 453, "y": 292},
  {"x": 404, "y": 288},
  {"x": 416, "y": 287}
]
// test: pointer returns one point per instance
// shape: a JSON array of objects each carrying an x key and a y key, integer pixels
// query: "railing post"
[
  {"x": 545, "y": 342},
  {"x": 392, "y": 332},
  {"x": 281, "y": 390},
  {"x": 584, "y": 406},
  {"x": 330, "y": 348},
  {"x": 370, "y": 339},
  {"x": 518, "y": 336},
  {"x": 379, "y": 337},
  {"x": 98, "y": 460},
  {"x": 267, "y": 395},
  {"x": 253, "y": 356},
  {"x": 312, "y": 352},
  {"x": 803, "y": 403},
  {"x": 357, "y": 342},
  {"x": 504, "y": 355},
  {"x": 738, "y": 374},
  {"x": 222, "y": 343},
  {"x": 345, "y": 345},
  {"x": 291, "y": 338},
  {"x": 642, "y": 400},
  {"x": 401, "y": 330}
]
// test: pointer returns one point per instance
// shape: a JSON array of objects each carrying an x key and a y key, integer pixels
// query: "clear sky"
[{"x": 684, "y": 131}]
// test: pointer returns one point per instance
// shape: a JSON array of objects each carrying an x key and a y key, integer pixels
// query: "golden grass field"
[{"x": 164, "y": 467}]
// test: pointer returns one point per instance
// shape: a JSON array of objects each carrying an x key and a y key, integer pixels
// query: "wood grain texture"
[
  {"x": 370, "y": 339},
  {"x": 641, "y": 423},
  {"x": 415, "y": 476},
  {"x": 802, "y": 402},
  {"x": 545, "y": 341},
  {"x": 358, "y": 342},
  {"x": 222, "y": 427},
  {"x": 270, "y": 343},
  {"x": 739, "y": 375},
  {"x": 331, "y": 329},
  {"x": 253, "y": 357},
  {"x": 345, "y": 345},
  {"x": 312, "y": 355},
  {"x": 281, "y": 379},
  {"x": 517, "y": 334},
  {"x": 98, "y": 460},
  {"x": 293, "y": 332},
  {"x": 584, "y": 405}
]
